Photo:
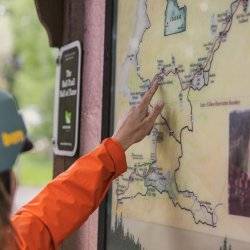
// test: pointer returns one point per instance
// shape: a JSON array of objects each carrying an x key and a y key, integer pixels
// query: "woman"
[{"x": 66, "y": 202}]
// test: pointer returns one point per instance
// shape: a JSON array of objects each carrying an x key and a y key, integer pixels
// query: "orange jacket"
[{"x": 66, "y": 202}]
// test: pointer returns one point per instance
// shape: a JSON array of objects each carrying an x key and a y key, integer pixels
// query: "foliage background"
[{"x": 28, "y": 73}]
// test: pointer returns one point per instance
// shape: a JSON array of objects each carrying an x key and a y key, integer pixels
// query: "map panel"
[{"x": 188, "y": 182}]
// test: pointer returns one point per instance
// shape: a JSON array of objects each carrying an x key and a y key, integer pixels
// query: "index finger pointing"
[
  {"x": 150, "y": 93},
  {"x": 157, "y": 78}
]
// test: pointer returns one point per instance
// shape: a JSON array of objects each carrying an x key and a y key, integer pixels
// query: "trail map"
[{"x": 187, "y": 184}]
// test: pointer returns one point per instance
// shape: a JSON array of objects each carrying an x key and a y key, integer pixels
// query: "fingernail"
[
  {"x": 154, "y": 85},
  {"x": 160, "y": 104}
]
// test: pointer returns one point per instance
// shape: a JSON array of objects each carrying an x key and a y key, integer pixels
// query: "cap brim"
[{"x": 27, "y": 145}]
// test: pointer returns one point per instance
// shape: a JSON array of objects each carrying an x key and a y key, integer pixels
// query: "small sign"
[{"x": 67, "y": 100}]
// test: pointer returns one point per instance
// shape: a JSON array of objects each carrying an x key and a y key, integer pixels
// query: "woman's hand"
[{"x": 139, "y": 121}]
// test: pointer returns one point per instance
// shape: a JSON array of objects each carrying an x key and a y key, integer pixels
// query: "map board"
[{"x": 188, "y": 182}]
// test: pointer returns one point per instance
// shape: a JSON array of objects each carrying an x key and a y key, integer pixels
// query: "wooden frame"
[{"x": 107, "y": 107}]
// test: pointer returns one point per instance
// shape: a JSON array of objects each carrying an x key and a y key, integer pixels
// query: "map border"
[{"x": 109, "y": 69}]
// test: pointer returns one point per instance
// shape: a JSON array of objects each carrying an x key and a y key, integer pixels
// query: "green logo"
[{"x": 67, "y": 117}]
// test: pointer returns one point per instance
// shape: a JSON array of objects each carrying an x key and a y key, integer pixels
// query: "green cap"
[{"x": 12, "y": 132}]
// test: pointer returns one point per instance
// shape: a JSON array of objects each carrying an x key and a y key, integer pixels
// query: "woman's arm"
[{"x": 68, "y": 200}]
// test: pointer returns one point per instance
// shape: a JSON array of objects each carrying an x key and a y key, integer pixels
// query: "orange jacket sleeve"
[{"x": 66, "y": 202}]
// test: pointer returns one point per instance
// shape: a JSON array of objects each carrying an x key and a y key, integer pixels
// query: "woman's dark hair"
[
  {"x": 5, "y": 178},
  {"x": 5, "y": 203}
]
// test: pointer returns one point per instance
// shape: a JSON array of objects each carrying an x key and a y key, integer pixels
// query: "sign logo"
[
  {"x": 67, "y": 117},
  {"x": 68, "y": 73}
]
